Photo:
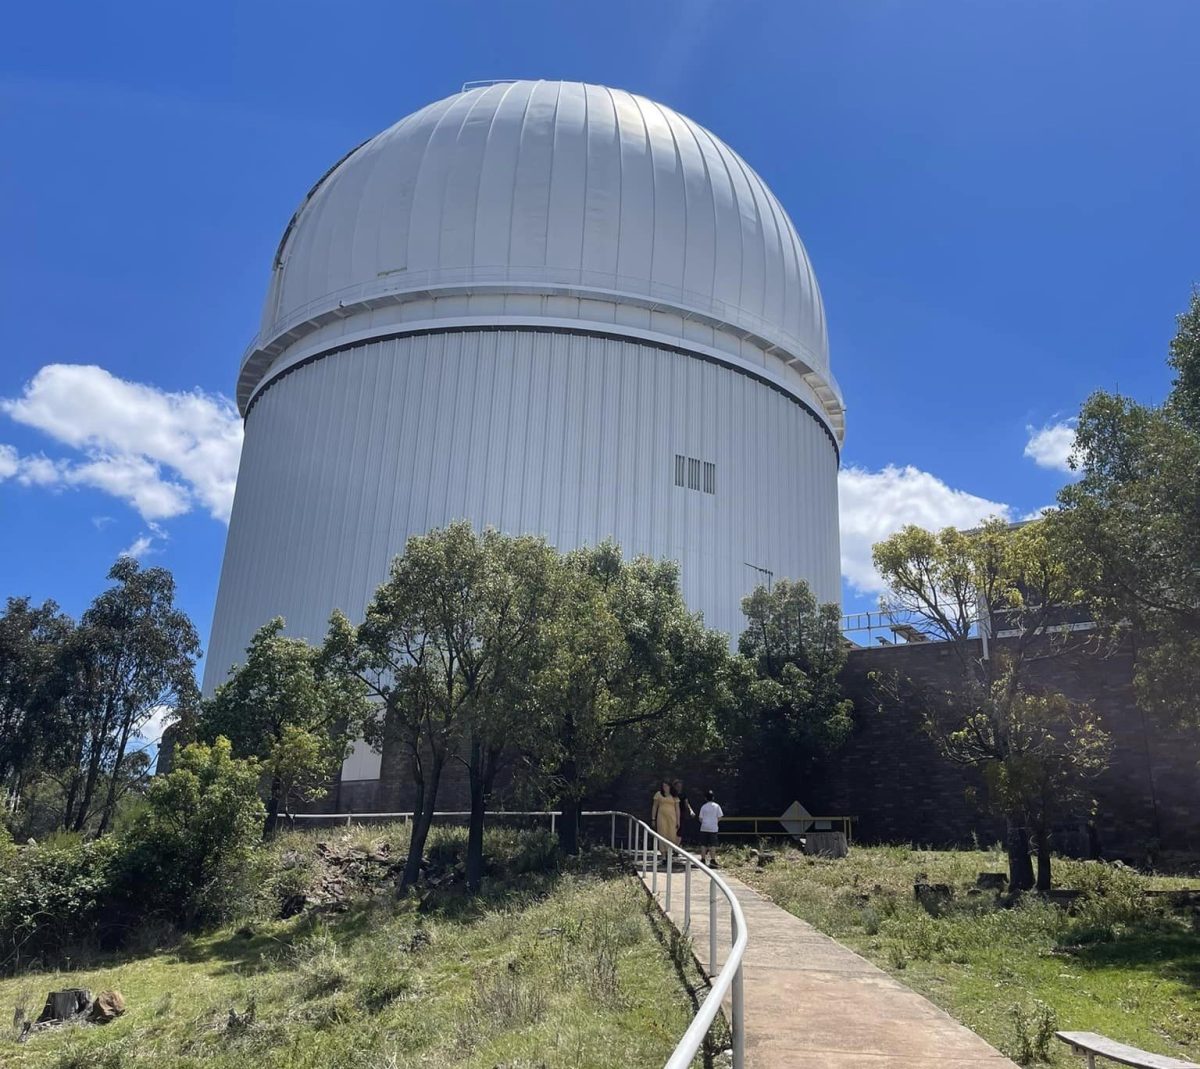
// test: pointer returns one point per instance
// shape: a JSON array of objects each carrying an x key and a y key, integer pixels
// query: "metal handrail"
[
  {"x": 729, "y": 980},
  {"x": 726, "y": 982},
  {"x": 844, "y": 825}
]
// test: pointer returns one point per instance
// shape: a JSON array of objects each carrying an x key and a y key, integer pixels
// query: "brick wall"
[{"x": 891, "y": 776}]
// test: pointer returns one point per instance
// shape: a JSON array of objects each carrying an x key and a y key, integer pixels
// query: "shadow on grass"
[
  {"x": 247, "y": 950},
  {"x": 689, "y": 973},
  {"x": 1170, "y": 955}
]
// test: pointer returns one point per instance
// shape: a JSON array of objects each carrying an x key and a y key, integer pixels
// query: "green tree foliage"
[
  {"x": 53, "y": 898},
  {"x": 32, "y": 691},
  {"x": 791, "y": 711},
  {"x": 448, "y": 650},
  {"x": 133, "y": 655},
  {"x": 631, "y": 673},
  {"x": 197, "y": 836},
  {"x": 74, "y": 698},
  {"x": 517, "y": 599},
  {"x": 1130, "y": 525},
  {"x": 289, "y": 707},
  {"x": 1037, "y": 751},
  {"x": 185, "y": 861},
  {"x": 484, "y": 647}
]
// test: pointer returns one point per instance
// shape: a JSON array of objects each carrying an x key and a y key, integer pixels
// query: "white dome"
[{"x": 549, "y": 202}]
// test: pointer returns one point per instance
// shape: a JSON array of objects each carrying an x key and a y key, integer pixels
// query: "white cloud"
[
  {"x": 151, "y": 732},
  {"x": 145, "y": 543},
  {"x": 140, "y": 547},
  {"x": 875, "y": 504},
  {"x": 29, "y": 470},
  {"x": 136, "y": 481},
  {"x": 162, "y": 453},
  {"x": 1050, "y": 446}
]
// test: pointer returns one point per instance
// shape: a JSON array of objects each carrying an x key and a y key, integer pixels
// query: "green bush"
[
  {"x": 55, "y": 899},
  {"x": 185, "y": 862},
  {"x": 1032, "y": 1032},
  {"x": 190, "y": 855}
]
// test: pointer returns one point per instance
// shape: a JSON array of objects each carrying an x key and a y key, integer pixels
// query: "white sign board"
[{"x": 796, "y": 820}]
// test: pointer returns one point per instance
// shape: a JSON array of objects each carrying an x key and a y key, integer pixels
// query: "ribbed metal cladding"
[
  {"x": 548, "y": 188},
  {"x": 571, "y": 436}
]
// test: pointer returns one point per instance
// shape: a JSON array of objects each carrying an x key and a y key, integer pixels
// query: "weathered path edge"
[{"x": 813, "y": 1003}]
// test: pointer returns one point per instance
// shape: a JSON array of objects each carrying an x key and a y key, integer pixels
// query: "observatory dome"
[
  {"x": 544, "y": 308},
  {"x": 555, "y": 205}
]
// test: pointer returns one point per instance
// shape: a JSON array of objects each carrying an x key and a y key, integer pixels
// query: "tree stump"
[
  {"x": 826, "y": 843},
  {"x": 63, "y": 1005}
]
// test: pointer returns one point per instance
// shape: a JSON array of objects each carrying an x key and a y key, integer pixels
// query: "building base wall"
[
  {"x": 574, "y": 437},
  {"x": 892, "y": 778}
]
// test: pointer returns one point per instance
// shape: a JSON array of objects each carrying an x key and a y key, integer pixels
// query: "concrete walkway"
[{"x": 812, "y": 1003}]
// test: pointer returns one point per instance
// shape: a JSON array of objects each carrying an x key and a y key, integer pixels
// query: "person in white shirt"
[{"x": 710, "y": 820}]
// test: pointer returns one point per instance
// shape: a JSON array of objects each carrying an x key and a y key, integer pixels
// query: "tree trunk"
[
  {"x": 1020, "y": 865},
  {"x": 89, "y": 786},
  {"x": 476, "y": 775},
  {"x": 110, "y": 800},
  {"x": 427, "y": 791},
  {"x": 572, "y": 807},
  {"x": 272, "y": 821},
  {"x": 72, "y": 794},
  {"x": 569, "y": 825},
  {"x": 1043, "y": 860}
]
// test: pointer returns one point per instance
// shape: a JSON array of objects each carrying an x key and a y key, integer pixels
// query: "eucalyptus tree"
[
  {"x": 444, "y": 652},
  {"x": 1037, "y": 750},
  {"x": 1130, "y": 526},
  {"x": 791, "y": 710},
  {"x": 33, "y": 682},
  {"x": 518, "y": 597},
  {"x": 633, "y": 673},
  {"x": 134, "y": 654}
]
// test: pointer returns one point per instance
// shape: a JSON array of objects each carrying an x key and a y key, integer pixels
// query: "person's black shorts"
[{"x": 708, "y": 838}]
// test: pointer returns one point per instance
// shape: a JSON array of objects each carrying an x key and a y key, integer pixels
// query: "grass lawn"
[
  {"x": 554, "y": 968},
  {"x": 1116, "y": 965}
]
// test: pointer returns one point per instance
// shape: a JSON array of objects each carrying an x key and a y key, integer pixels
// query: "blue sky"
[{"x": 999, "y": 200}]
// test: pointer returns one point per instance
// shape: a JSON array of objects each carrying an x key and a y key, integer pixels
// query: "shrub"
[
  {"x": 190, "y": 853},
  {"x": 54, "y": 899},
  {"x": 1112, "y": 900},
  {"x": 184, "y": 862},
  {"x": 1032, "y": 1030}
]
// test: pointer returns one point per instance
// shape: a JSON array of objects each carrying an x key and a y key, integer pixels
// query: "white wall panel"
[
  {"x": 568, "y": 436},
  {"x": 545, "y": 187}
]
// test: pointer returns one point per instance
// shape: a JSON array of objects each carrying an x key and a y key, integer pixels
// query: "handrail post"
[
  {"x": 629, "y": 836},
  {"x": 737, "y": 1017},
  {"x": 654, "y": 875},
  {"x": 687, "y": 895},
  {"x": 552, "y": 829},
  {"x": 738, "y": 1020},
  {"x": 670, "y": 866},
  {"x": 712, "y": 926},
  {"x": 614, "y": 830}
]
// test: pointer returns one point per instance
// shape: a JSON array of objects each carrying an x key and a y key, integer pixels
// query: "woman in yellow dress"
[{"x": 664, "y": 813}]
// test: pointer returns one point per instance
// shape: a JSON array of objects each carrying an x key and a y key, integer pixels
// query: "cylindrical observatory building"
[{"x": 546, "y": 307}]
